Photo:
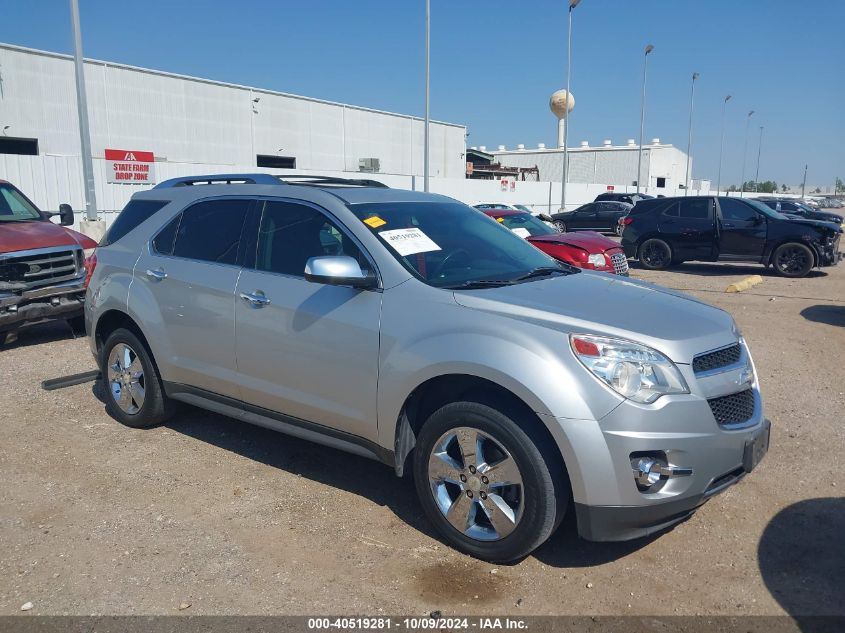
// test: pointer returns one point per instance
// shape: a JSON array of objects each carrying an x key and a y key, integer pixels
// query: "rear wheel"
[
  {"x": 483, "y": 482},
  {"x": 134, "y": 393},
  {"x": 655, "y": 254},
  {"x": 619, "y": 229},
  {"x": 792, "y": 260}
]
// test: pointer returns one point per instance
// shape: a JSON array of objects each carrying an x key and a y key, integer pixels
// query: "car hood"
[
  {"x": 675, "y": 324},
  {"x": 588, "y": 240},
  {"x": 23, "y": 236},
  {"x": 820, "y": 224}
]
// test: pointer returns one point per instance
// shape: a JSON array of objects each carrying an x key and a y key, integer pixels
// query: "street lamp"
[
  {"x": 648, "y": 49},
  {"x": 757, "y": 175},
  {"x": 744, "y": 154},
  {"x": 427, "y": 85},
  {"x": 567, "y": 112},
  {"x": 689, "y": 136},
  {"x": 721, "y": 146}
]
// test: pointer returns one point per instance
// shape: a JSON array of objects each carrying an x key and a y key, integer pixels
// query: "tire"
[
  {"x": 77, "y": 324},
  {"x": 619, "y": 229},
  {"x": 524, "y": 515},
  {"x": 655, "y": 254},
  {"x": 131, "y": 406},
  {"x": 792, "y": 260},
  {"x": 561, "y": 225}
]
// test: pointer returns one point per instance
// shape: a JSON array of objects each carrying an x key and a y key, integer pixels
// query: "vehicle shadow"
[
  {"x": 829, "y": 314},
  {"x": 801, "y": 555},
  {"x": 38, "y": 335},
  {"x": 715, "y": 269}
]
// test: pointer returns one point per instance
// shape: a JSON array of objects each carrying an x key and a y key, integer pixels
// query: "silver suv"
[{"x": 412, "y": 329}]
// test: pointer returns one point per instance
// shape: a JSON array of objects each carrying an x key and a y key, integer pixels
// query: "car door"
[
  {"x": 690, "y": 225},
  {"x": 608, "y": 215},
  {"x": 186, "y": 281},
  {"x": 742, "y": 230},
  {"x": 584, "y": 217},
  {"x": 304, "y": 349}
]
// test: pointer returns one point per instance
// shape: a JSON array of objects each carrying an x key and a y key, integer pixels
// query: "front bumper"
[
  {"x": 60, "y": 301},
  {"x": 623, "y": 523}
]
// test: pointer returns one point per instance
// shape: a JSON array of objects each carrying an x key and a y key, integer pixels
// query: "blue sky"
[{"x": 495, "y": 63}]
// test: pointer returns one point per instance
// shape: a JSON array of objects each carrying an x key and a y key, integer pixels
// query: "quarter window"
[
  {"x": 695, "y": 209},
  {"x": 163, "y": 242},
  {"x": 133, "y": 214},
  {"x": 211, "y": 231},
  {"x": 290, "y": 234}
]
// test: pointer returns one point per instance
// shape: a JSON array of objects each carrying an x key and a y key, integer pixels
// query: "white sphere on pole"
[{"x": 561, "y": 103}]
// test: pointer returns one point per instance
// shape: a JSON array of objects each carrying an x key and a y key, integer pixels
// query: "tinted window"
[
  {"x": 211, "y": 231},
  {"x": 163, "y": 242},
  {"x": 15, "y": 207},
  {"x": 291, "y": 233},
  {"x": 736, "y": 210},
  {"x": 519, "y": 223},
  {"x": 788, "y": 206},
  {"x": 587, "y": 209},
  {"x": 695, "y": 209},
  {"x": 132, "y": 215},
  {"x": 672, "y": 210}
]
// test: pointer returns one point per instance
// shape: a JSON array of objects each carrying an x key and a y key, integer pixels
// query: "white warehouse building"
[
  {"x": 663, "y": 165},
  {"x": 192, "y": 125}
]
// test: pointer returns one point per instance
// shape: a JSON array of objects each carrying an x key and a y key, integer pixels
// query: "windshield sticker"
[
  {"x": 409, "y": 241},
  {"x": 522, "y": 232},
  {"x": 500, "y": 219},
  {"x": 374, "y": 222}
]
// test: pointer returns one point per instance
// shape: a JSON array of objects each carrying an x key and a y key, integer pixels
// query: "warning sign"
[{"x": 130, "y": 167}]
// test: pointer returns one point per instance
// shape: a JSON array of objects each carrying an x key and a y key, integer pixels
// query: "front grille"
[
  {"x": 41, "y": 267},
  {"x": 620, "y": 263},
  {"x": 714, "y": 360},
  {"x": 733, "y": 409}
]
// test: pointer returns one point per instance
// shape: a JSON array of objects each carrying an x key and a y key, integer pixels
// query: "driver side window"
[
  {"x": 290, "y": 234},
  {"x": 736, "y": 210}
]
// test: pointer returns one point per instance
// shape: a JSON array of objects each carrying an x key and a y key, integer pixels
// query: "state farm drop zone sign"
[{"x": 130, "y": 167}]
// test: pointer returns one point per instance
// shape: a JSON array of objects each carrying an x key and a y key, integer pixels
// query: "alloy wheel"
[
  {"x": 476, "y": 484},
  {"x": 126, "y": 378},
  {"x": 792, "y": 260},
  {"x": 655, "y": 255}
]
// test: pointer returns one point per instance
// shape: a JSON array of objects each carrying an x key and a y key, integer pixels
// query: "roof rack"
[{"x": 267, "y": 179}]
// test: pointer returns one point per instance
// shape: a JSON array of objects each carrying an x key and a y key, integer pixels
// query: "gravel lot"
[{"x": 210, "y": 516}]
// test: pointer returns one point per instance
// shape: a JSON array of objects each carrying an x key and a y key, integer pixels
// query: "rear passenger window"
[
  {"x": 672, "y": 211},
  {"x": 163, "y": 242},
  {"x": 211, "y": 231},
  {"x": 695, "y": 209},
  {"x": 132, "y": 215},
  {"x": 291, "y": 233}
]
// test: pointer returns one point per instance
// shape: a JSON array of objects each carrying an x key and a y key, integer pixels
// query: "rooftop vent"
[
  {"x": 541, "y": 146},
  {"x": 655, "y": 141},
  {"x": 502, "y": 148},
  {"x": 585, "y": 143},
  {"x": 607, "y": 142},
  {"x": 631, "y": 142},
  {"x": 521, "y": 147}
]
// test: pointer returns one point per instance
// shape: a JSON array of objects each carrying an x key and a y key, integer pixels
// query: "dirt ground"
[{"x": 96, "y": 518}]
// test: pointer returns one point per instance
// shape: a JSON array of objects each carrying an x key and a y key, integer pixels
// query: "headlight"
[
  {"x": 633, "y": 371},
  {"x": 597, "y": 259}
]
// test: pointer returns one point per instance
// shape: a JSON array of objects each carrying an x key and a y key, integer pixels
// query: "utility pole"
[
  {"x": 721, "y": 146},
  {"x": 757, "y": 175},
  {"x": 689, "y": 137},
  {"x": 804, "y": 182},
  {"x": 648, "y": 49},
  {"x": 567, "y": 112},
  {"x": 427, "y": 90},
  {"x": 82, "y": 107},
  {"x": 745, "y": 154}
]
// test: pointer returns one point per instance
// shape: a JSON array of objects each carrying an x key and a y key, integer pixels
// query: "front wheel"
[
  {"x": 560, "y": 225},
  {"x": 655, "y": 254},
  {"x": 483, "y": 482},
  {"x": 792, "y": 260},
  {"x": 619, "y": 229}
]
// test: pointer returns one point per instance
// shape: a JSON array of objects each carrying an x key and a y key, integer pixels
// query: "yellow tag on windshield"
[
  {"x": 500, "y": 219},
  {"x": 374, "y": 222}
]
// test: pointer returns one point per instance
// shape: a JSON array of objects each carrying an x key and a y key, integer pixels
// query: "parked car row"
[{"x": 410, "y": 328}]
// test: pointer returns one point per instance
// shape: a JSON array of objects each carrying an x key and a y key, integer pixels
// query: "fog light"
[{"x": 647, "y": 472}]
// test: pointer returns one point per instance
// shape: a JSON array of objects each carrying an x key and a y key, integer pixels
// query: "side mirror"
[
  {"x": 338, "y": 270},
  {"x": 65, "y": 215},
  {"x": 758, "y": 220}
]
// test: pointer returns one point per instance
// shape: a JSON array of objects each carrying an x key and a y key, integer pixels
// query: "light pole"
[
  {"x": 757, "y": 174},
  {"x": 689, "y": 136},
  {"x": 804, "y": 182},
  {"x": 745, "y": 154},
  {"x": 721, "y": 146},
  {"x": 82, "y": 106},
  {"x": 572, "y": 5},
  {"x": 648, "y": 49},
  {"x": 427, "y": 69}
]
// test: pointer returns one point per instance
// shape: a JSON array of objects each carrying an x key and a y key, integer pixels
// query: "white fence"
[{"x": 52, "y": 180}]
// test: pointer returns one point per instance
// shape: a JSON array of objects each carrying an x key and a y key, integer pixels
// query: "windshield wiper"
[
  {"x": 542, "y": 271},
  {"x": 480, "y": 283}
]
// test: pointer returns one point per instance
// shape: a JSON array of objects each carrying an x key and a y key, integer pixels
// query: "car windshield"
[
  {"x": 450, "y": 245},
  {"x": 766, "y": 210},
  {"x": 525, "y": 224},
  {"x": 14, "y": 207}
]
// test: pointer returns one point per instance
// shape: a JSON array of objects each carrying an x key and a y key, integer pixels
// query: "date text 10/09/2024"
[{"x": 416, "y": 623}]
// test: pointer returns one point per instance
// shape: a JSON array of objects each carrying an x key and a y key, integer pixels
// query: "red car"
[
  {"x": 585, "y": 249},
  {"x": 44, "y": 267}
]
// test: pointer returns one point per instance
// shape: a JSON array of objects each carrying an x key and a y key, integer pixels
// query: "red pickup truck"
[{"x": 44, "y": 267}]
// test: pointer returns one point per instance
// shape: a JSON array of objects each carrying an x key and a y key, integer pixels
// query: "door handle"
[
  {"x": 156, "y": 275},
  {"x": 728, "y": 225},
  {"x": 255, "y": 299}
]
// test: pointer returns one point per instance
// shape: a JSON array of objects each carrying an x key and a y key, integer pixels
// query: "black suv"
[
  {"x": 630, "y": 198},
  {"x": 797, "y": 208},
  {"x": 667, "y": 231}
]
